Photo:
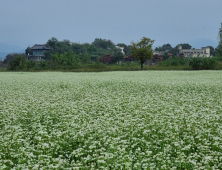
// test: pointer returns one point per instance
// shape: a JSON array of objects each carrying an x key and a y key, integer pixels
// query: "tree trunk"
[{"x": 141, "y": 64}]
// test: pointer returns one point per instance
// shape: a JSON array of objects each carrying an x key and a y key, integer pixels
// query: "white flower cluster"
[{"x": 111, "y": 120}]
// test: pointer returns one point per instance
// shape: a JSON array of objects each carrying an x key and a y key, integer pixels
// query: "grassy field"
[{"x": 111, "y": 120}]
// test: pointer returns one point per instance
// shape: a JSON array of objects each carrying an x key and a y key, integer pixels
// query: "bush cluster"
[
  {"x": 175, "y": 61},
  {"x": 203, "y": 63},
  {"x": 21, "y": 63},
  {"x": 72, "y": 62}
]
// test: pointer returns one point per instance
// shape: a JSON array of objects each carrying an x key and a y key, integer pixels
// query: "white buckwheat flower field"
[{"x": 111, "y": 120}]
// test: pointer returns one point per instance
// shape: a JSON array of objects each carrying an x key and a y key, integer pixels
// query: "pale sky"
[{"x": 27, "y": 22}]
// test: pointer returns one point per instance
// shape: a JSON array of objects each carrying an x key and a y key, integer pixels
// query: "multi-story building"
[
  {"x": 203, "y": 52},
  {"x": 38, "y": 51}
]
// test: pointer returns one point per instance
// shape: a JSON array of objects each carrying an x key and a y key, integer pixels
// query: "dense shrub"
[
  {"x": 30, "y": 64},
  {"x": 96, "y": 65},
  {"x": 205, "y": 63},
  {"x": 219, "y": 58},
  {"x": 209, "y": 63},
  {"x": 66, "y": 60},
  {"x": 219, "y": 50},
  {"x": 175, "y": 61},
  {"x": 18, "y": 63},
  {"x": 195, "y": 63},
  {"x": 130, "y": 64},
  {"x": 179, "y": 61},
  {"x": 11, "y": 56},
  {"x": 43, "y": 64}
]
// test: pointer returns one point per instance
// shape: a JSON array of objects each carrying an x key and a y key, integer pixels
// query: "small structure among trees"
[
  {"x": 169, "y": 55},
  {"x": 36, "y": 53}
]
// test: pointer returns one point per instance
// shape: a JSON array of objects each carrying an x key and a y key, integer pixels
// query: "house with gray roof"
[{"x": 38, "y": 51}]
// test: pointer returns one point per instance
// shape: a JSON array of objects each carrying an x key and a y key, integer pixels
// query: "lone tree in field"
[{"x": 142, "y": 50}]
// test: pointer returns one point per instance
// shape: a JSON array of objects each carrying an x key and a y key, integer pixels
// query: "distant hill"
[
  {"x": 198, "y": 43},
  {"x": 2, "y": 55},
  {"x": 6, "y": 49}
]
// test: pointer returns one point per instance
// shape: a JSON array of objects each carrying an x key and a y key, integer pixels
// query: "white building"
[
  {"x": 159, "y": 52},
  {"x": 121, "y": 49},
  {"x": 203, "y": 52},
  {"x": 118, "y": 47}
]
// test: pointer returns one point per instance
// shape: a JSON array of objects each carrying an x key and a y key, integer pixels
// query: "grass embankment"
[
  {"x": 132, "y": 68},
  {"x": 86, "y": 68},
  {"x": 128, "y": 67},
  {"x": 103, "y": 67}
]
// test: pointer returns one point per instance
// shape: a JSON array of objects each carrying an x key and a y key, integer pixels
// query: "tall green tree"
[
  {"x": 212, "y": 51},
  {"x": 11, "y": 56},
  {"x": 118, "y": 56},
  {"x": 165, "y": 47},
  {"x": 18, "y": 63},
  {"x": 219, "y": 47},
  {"x": 85, "y": 58},
  {"x": 142, "y": 50},
  {"x": 68, "y": 60},
  {"x": 102, "y": 43},
  {"x": 52, "y": 42}
]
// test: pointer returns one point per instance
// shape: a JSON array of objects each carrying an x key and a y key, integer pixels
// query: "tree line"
[
  {"x": 97, "y": 49},
  {"x": 67, "y": 55}
]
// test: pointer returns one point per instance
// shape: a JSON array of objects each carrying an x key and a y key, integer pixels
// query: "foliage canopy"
[
  {"x": 20, "y": 63},
  {"x": 219, "y": 47},
  {"x": 142, "y": 50}
]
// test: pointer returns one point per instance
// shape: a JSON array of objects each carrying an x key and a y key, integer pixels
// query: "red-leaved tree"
[
  {"x": 157, "y": 57},
  {"x": 107, "y": 59},
  {"x": 129, "y": 58}
]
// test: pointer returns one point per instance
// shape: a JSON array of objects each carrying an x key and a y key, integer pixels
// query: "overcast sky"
[{"x": 29, "y": 22}]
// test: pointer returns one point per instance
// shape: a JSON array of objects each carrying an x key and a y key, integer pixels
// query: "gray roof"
[{"x": 40, "y": 47}]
